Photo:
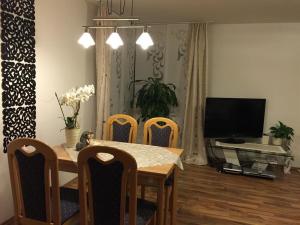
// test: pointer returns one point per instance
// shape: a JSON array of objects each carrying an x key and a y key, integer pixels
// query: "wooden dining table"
[{"x": 154, "y": 176}]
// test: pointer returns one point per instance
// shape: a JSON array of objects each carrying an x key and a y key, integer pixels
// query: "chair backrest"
[
  {"x": 122, "y": 128},
  {"x": 161, "y": 131},
  {"x": 33, "y": 168},
  {"x": 103, "y": 186}
]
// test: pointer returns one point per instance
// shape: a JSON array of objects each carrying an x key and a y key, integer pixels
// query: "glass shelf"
[{"x": 246, "y": 159}]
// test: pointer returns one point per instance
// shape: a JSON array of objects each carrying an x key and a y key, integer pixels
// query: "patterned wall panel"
[{"x": 18, "y": 69}]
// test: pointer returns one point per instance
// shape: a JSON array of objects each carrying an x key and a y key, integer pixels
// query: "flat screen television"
[{"x": 234, "y": 118}]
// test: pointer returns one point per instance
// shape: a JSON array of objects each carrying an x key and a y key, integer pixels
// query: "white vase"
[
  {"x": 276, "y": 141},
  {"x": 72, "y": 137},
  {"x": 265, "y": 139}
]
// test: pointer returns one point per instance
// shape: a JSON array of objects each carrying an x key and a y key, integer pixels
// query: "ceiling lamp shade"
[
  {"x": 144, "y": 40},
  {"x": 86, "y": 39},
  {"x": 114, "y": 40},
  {"x": 117, "y": 17}
]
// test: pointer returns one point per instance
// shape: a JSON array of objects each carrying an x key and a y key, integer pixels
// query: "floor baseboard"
[{"x": 8, "y": 222}]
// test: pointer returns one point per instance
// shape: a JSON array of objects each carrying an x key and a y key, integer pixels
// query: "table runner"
[{"x": 145, "y": 155}]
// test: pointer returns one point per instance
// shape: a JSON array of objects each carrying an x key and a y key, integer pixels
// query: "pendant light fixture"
[
  {"x": 145, "y": 40},
  {"x": 114, "y": 40},
  {"x": 86, "y": 39},
  {"x": 118, "y": 17}
]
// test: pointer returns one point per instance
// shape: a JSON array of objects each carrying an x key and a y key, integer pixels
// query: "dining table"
[{"x": 155, "y": 165}]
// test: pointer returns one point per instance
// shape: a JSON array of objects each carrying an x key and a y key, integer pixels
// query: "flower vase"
[{"x": 72, "y": 137}]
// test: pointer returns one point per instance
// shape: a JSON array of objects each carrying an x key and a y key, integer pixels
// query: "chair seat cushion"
[
  {"x": 69, "y": 203},
  {"x": 145, "y": 211},
  {"x": 169, "y": 182}
]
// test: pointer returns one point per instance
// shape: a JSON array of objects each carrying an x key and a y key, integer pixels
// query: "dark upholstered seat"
[
  {"x": 145, "y": 210},
  {"x": 69, "y": 203},
  {"x": 169, "y": 181}
]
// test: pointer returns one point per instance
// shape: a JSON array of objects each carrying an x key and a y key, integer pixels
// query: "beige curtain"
[
  {"x": 192, "y": 140},
  {"x": 103, "y": 76}
]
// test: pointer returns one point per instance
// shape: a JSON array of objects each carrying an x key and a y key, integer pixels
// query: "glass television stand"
[{"x": 250, "y": 159}]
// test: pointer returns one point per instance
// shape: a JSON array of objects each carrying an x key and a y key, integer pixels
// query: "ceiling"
[{"x": 217, "y": 11}]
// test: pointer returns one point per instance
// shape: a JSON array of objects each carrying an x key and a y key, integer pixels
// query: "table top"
[{"x": 67, "y": 164}]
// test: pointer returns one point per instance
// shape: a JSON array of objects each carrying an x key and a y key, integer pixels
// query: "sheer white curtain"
[
  {"x": 193, "y": 141},
  {"x": 103, "y": 77}
]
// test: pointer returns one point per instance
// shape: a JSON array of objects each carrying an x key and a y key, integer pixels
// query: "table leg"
[
  {"x": 167, "y": 203},
  {"x": 174, "y": 198},
  {"x": 160, "y": 202}
]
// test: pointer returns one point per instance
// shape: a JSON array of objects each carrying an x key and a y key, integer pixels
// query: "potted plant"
[
  {"x": 281, "y": 133},
  {"x": 72, "y": 99},
  {"x": 155, "y": 98}
]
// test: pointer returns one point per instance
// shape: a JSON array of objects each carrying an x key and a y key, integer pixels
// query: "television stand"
[
  {"x": 250, "y": 159},
  {"x": 231, "y": 140}
]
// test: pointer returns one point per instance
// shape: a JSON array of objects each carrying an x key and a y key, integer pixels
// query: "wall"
[
  {"x": 259, "y": 61},
  {"x": 61, "y": 65}
]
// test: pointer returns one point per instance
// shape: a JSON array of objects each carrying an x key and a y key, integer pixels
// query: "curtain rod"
[
  {"x": 184, "y": 22},
  {"x": 118, "y": 27},
  {"x": 128, "y": 18},
  {"x": 139, "y": 25}
]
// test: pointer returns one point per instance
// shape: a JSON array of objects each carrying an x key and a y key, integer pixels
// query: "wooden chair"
[
  {"x": 162, "y": 132},
  {"x": 38, "y": 200},
  {"x": 103, "y": 189},
  {"x": 122, "y": 128}
]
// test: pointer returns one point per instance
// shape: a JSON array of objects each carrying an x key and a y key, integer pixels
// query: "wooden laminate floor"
[{"x": 207, "y": 197}]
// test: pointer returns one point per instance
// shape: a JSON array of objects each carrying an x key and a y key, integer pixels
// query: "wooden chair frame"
[
  {"x": 172, "y": 143},
  {"x": 129, "y": 180},
  {"x": 128, "y": 119},
  {"x": 168, "y": 123},
  {"x": 52, "y": 192}
]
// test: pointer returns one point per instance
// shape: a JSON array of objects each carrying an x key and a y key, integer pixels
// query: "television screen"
[{"x": 234, "y": 118}]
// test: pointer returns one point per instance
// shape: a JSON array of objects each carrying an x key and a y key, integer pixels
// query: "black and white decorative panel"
[{"x": 18, "y": 69}]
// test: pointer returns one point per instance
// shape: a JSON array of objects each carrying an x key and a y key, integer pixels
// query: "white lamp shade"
[
  {"x": 114, "y": 40},
  {"x": 144, "y": 40},
  {"x": 86, "y": 40}
]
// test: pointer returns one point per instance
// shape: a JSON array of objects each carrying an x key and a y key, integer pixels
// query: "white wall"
[
  {"x": 61, "y": 65},
  {"x": 259, "y": 61}
]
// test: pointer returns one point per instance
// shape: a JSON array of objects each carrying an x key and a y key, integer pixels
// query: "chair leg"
[
  {"x": 143, "y": 191},
  {"x": 171, "y": 199},
  {"x": 153, "y": 220}
]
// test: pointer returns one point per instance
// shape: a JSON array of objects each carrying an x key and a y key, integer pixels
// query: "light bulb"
[
  {"x": 144, "y": 40},
  {"x": 86, "y": 40},
  {"x": 114, "y": 40}
]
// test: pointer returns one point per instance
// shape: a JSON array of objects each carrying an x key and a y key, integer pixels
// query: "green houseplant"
[
  {"x": 154, "y": 98},
  {"x": 282, "y": 132}
]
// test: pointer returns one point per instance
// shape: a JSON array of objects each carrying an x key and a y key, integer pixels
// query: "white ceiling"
[{"x": 218, "y": 11}]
